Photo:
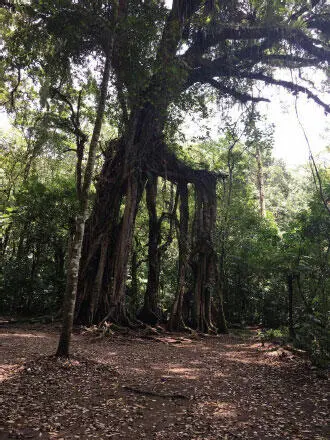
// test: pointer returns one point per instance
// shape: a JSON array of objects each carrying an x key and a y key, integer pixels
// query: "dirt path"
[{"x": 132, "y": 388}]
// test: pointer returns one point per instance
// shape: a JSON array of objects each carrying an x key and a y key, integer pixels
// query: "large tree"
[
  {"x": 229, "y": 46},
  {"x": 163, "y": 56}
]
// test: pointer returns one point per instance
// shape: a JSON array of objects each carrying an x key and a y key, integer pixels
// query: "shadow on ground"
[{"x": 131, "y": 388}]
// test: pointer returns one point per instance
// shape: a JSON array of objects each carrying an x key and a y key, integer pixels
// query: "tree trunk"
[
  {"x": 139, "y": 153},
  {"x": 103, "y": 226},
  {"x": 74, "y": 254},
  {"x": 207, "y": 288},
  {"x": 134, "y": 290},
  {"x": 220, "y": 314},
  {"x": 75, "y": 247},
  {"x": 260, "y": 182},
  {"x": 176, "y": 321},
  {"x": 290, "y": 298},
  {"x": 122, "y": 179},
  {"x": 150, "y": 312},
  {"x": 203, "y": 282},
  {"x": 117, "y": 309}
]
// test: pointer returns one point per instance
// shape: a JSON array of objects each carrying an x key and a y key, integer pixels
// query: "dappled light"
[
  {"x": 220, "y": 409},
  {"x": 24, "y": 335},
  {"x": 212, "y": 388},
  {"x": 7, "y": 371},
  {"x": 164, "y": 271}
]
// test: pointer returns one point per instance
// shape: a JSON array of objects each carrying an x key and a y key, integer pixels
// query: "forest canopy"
[{"x": 194, "y": 237}]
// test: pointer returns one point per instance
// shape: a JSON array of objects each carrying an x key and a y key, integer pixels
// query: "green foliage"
[
  {"x": 258, "y": 254},
  {"x": 313, "y": 337},
  {"x": 49, "y": 76},
  {"x": 275, "y": 335},
  {"x": 37, "y": 203}
]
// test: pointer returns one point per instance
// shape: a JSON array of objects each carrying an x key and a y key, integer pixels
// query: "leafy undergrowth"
[{"x": 168, "y": 387}]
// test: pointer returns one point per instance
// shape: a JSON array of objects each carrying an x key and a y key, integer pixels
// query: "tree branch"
[
  {"x": 287, "y": 59},
  {"x": 205, "y": 40},
  {"x": 296, "y": 37},
  {"x": 239, "y": 96},
  {"x": 181, "y": 12},
  {"x": 7, "y": 5},
  {"x": 295, "y": 88},
  {"x": 295, "y": 15},
  {"x": 74, "y": 116}
]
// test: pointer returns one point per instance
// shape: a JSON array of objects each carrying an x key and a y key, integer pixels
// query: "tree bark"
[
  {"x": 102, "y": 226},
  {"x": 122, "y": 179},
  {"x": 290, "y": 300},
  {"x": 150, "y": 312},
  {"x": 74, "y": 254},
  {"x": 117, "y": 309},
  {"x": 203, "y": 223},
  {"x": 260, "y": 183},
  {"x": 75, "y": 247},
  {"x": 176, "y": 321},
  {"x": 134, "y": 290}
]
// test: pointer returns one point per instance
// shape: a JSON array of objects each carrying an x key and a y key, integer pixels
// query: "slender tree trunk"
[
  {"x": 31, "y": 280},
  {"x": 176, "y": 321},
  {"x": 260, "y": 182},
  {"x": 134, "y": 292},
  {"x": 220, "y": 313},
  {"x": 79, "y": 227},
  {"x": 221, "y": 276},
  {"x": 5, "y": 240},
  {"x": 74, "y": 254},
  {"x": 59, "y": 256},
  {"x": 290, "y": 298},
  {"x": 150, "y": 311}
]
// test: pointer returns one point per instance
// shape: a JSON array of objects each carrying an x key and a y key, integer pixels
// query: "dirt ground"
[{"x": 129, "y": 387}]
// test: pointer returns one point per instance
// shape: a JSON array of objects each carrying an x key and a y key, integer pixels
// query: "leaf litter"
[{"x": 128, "y": 387}]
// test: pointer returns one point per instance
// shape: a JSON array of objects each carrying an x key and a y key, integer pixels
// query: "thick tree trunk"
[
  {"x": 99, "y": 275},
  {"x": 122, "y": 179},
  {"x": 106, "y": 252},
  {"x": 117, "y": 308},
  {"x": 206, "y": 285},
  {"x": 102, "y": 229},
  {"x": 203, "y": 251},
  {"x": 141, "y": 152}
]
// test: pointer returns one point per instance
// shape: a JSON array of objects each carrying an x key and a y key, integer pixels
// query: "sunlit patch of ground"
[
  {"x": 220, "y": 409},
  {"x": 131, "y": 388},
  {"x": 23, "y": 335},
  {"x": 8, "y": 370}
]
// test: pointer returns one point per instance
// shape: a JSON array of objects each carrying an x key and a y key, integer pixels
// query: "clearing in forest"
[{"x": 168, "y": 387}]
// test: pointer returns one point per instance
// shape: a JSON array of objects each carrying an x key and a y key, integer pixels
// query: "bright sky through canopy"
[{"x": 290, "y": 143}]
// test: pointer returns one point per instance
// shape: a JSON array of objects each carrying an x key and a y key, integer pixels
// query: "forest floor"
[{"x": 166, "y": 387}]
